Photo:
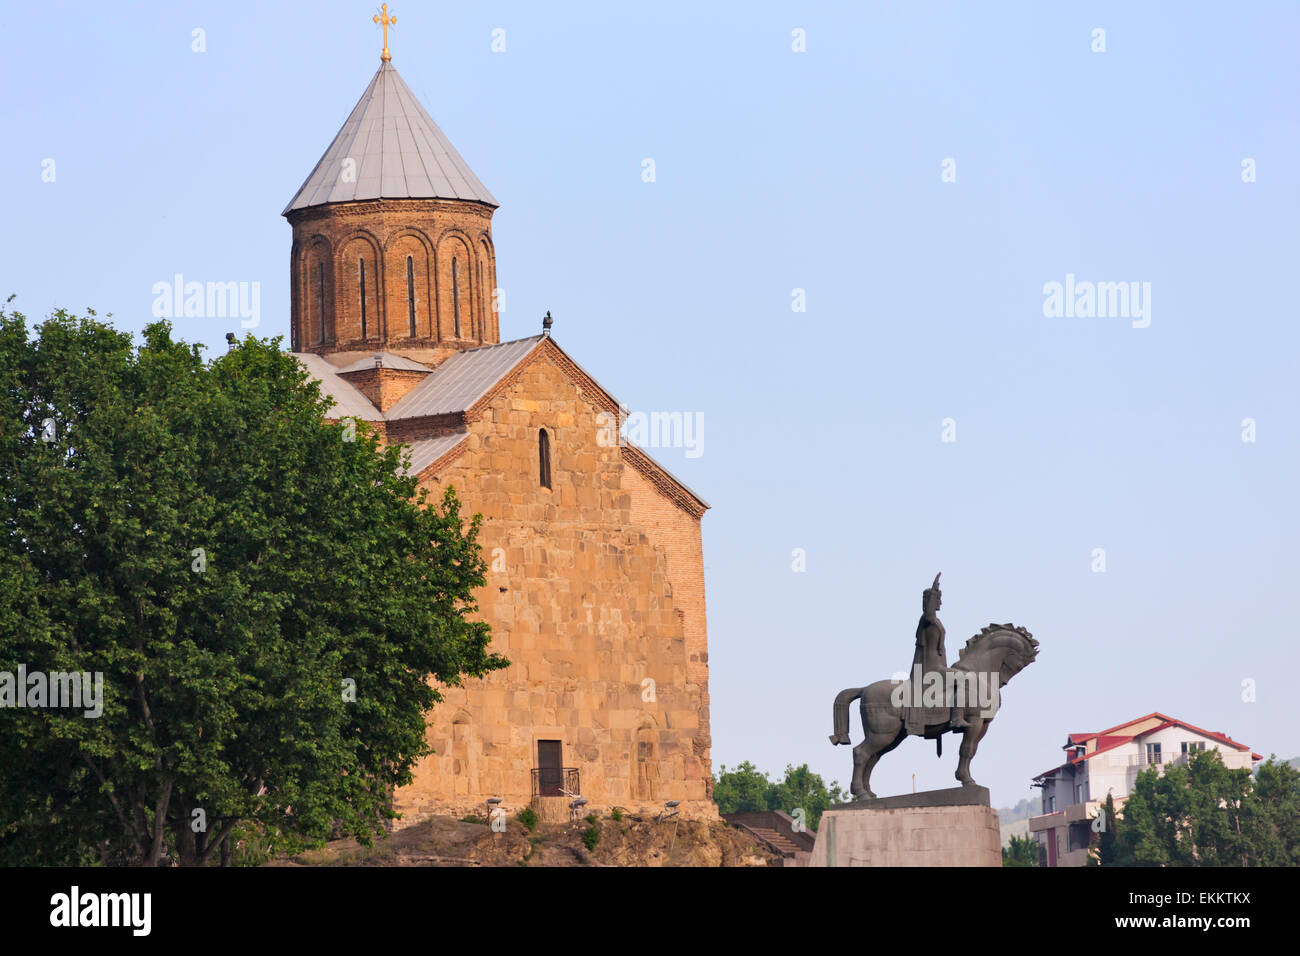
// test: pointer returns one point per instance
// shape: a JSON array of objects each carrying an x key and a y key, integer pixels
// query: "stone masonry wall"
[
  {"x": 594, "y": 586},
  {"x": 678, "y": 535}
]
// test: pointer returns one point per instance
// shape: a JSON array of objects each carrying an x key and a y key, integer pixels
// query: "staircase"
[
  {"x": 775, "y": 840},
  {"x": 775, "y": 830}
]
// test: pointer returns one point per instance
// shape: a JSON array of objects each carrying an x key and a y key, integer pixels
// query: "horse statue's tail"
[{"x": 842, "y": 701}]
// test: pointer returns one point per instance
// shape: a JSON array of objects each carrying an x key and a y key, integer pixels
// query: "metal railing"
[
  {"x": 1154, "y": 760},
  {"x": 556, "y": 782}
]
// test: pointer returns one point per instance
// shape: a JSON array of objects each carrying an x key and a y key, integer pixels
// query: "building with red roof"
[{"x": 1107, "y": 763}]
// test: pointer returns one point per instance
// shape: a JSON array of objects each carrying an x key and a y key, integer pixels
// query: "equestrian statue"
[{"x": 935, "y": 699}]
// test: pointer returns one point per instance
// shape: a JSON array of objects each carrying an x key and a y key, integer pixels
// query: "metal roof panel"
[
  {"x": 390, "y": 360},
  {"x": 348, "y": 401},
  {"x": 462, "y": 379},
  {"x": 426, "y": 451},
  {"x": 400, "y": 153}
]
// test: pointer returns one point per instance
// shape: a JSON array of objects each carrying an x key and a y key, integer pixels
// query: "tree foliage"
[
  {"x": 1106, "y": 851},
  {"x": 748, "y": 789},
  {"x": 1203, "y": 814},
  {"x": 224, "y": 669},
  {"x": 743, "y": 789},
  {"x": 1020, "y": 851}
]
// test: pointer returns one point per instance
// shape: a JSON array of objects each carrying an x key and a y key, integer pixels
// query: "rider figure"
[{"x": 930, "y": 653}]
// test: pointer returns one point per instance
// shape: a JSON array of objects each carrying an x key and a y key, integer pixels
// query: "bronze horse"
[{"x": 999, "y": 649}]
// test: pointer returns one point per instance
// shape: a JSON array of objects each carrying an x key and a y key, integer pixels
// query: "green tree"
[
  {"x": 740, "y": 790},
  {"x": 1277, "y": 787},
  {"x": 1020, "y": 851},
  {"x": 1203, "y": 814},
  {"x": 1106, "y": 852},
  {"x": 265, "y": 594},
  {"x": 747, "y": 789},
  {"x": 804, "y": 790}
]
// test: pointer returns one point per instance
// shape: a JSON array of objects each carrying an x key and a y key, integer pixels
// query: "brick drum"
[{"x": 452, "y": 272}]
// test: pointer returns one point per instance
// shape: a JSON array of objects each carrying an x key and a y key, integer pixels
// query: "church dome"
[
  {"x": 392, "y": 240},
  {"x": 389, "y": 148}
]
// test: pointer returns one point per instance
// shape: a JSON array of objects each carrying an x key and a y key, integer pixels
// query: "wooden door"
[{"x": 550, "y": 765}]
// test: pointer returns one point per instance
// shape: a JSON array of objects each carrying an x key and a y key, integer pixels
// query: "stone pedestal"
[{"x": 954, "y": 827}]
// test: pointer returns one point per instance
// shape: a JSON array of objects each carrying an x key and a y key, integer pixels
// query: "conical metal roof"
[{"x": 397, "y": 152}]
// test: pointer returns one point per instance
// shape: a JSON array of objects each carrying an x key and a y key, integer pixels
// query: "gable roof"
[
  {"x": 398, "y": 150},
  {"x": 661, "y": 477},
  {"x": 1115, "y": 736},
  {"x": 462, "y": 379},
  {"x": 349, "y": 402},
  {"x": 464, "y": 382},
  {"x": 1166, "y": 721}
]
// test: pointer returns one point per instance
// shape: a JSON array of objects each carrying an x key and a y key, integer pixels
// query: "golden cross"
[{"x": 385, "y": 19}]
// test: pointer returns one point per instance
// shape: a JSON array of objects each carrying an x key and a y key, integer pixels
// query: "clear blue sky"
[{"x": 778, "y": 170}]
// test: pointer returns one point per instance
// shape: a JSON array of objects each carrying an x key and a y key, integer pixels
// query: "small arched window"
[
  {"x": 363, "y": 298},
  {"x": 410, "y": 292},
  {"x": 320, "y": 301},
  {"x": 455, "y": 298},
  {"x": 544, "y": 458}
]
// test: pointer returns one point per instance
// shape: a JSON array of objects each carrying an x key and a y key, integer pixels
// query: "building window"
[
  {"x": 410, "y": 293},
  {"x": 544, "y": 458},
  {"x": 1079, "y": 835},
  {"x": 455, "y": 297},
  {"x": 363, "y": 298},
  {"x": 1190, "y": 746},
  {"x": 320, "y": 299},
  {"x": 1153, "y": 754},
  {"x": 1051, "y": 804}
]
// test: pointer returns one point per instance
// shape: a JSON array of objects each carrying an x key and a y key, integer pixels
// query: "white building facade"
[{"x": 1108, "y": 763}]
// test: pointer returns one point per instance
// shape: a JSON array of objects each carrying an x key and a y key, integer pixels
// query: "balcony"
[
  {"x": 1074, "y": 813},
  {"x": 556, "y": 782},
  {"x": 1156, "y": 760}
]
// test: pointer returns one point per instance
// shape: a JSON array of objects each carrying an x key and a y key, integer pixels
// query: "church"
[{"x": 595, "y": 583}]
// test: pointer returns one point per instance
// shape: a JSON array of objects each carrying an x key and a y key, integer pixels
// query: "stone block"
[{"x": 955, "y": 834}]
